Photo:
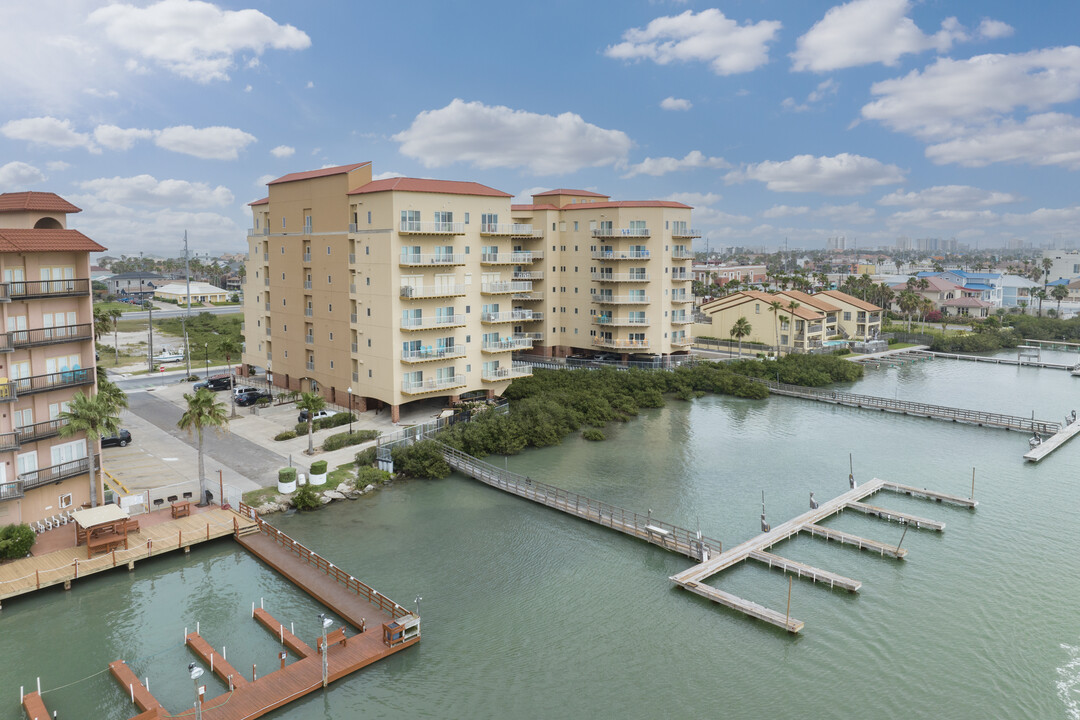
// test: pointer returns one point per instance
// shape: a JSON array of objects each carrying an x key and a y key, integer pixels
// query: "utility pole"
[
  {"x": 187, "y": 310},
  {"x": 150, "y": 352}
]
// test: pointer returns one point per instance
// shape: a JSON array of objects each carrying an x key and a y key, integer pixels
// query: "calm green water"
[{"x": 529, "y": 613}]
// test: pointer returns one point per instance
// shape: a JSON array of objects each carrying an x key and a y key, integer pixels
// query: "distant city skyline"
[{"x": 875, "y": 119}]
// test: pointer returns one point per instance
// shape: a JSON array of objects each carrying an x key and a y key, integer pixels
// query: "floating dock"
[{"x": 1052, "y": 443}]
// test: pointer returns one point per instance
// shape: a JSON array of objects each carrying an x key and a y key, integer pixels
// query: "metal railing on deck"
[{"x": 644, "y": 527}]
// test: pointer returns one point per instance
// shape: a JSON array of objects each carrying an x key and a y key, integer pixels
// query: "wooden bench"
[
  {"x": 181, "y": 509},
  {"x": 105, "y": 542},
  {"x": 333, "y": 638},
  {"x": 131, "y": 526}
]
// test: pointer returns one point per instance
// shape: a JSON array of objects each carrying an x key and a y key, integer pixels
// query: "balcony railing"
[
  {"x": 620, "y": 255},
  {"x": 505, "y": 287},
  {"x": 531, "y": 295},
  {"x": 510, "y": 316},
  {"x": 681, "y": 232},
  {"x": 356, "y": 376},
  {"x": 620, "y": 277},
  {"x": 525, "y": 230},
  {"x": 45, "y": 336},
  {"x": 681, "y": 277},
  {"x": 10, "y": 490},
  {"x": 54, "y": 473},
  {"x": 529, "y": 275},
  {"x": 620, "y": 343},
  {"x": 432, "y": 321},
  {"x": 530, "y": 336},
  {"x": 13, "y": 389},
  {"x": 683, "y": 254},
  {"x": 38, "y": 431},
  {"x": 307, "y": 284},
  {"x": 352, "y": 258},
  {"x": 309, "y": 365},
  {"x": 267, "y": 307},
  {"x": 309, "y": 339},
  {"x": 256, "y": 232},
  {"x": 497, "y": 228},
  {"x": 621, "y": 232},
  {"x": 434, "y": 352},
  {"x": 28, "y": 289},
  {"x": 683, "y": 298},
  {"x": 266, "y": 257},
  {"x": 506, "y": 258},
  {"x": 266, "y": 282},
  {"x": 620, "y": 322},
  {"x": 681, "y": 319},
  {"x": 9, "y": 441},
  {"x": 682, "y": 340},
  {"x": 356, "y": 347},
  {"x": 309, "y": 312},
  {"x": 415, "y": 259},
  {"x": 307, "y": 257},
  {"x": 506, "y": 345},
  {"x": 509, "y": 373},
  {"x": 410, "y": 387},
  {"x": 431, "y": 228},
  {"x": 431, "y": 291},
  {"x": 621, "y": 299},
  {"x": 352, "y": 318},
  {"x": 352, "y": 227}
]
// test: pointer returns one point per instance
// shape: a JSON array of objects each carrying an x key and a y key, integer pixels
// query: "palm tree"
[
  {"x": 95, "y": 416},
  {"x": 228, "y": 347},
  {"x": 101, "y": 322},
  {"x": 313, "y": 403},
  {"x": 908, "y": 303},
  {"x": 115, "y": 314},
  {"x": 1023, "y": 306},
  {"x": 792, "y": 306},
  {"x": 1039, "y": 294},
  {"x": 739, "y": 330},
  {"x": 1059, "y": 293},
  {"x": 1047, "y": 264},
  {"x": 203, "y": 411},
  {"x": 775, "y": 307}
]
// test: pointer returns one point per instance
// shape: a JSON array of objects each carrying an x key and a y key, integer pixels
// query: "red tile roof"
[
  {"x": 446, "y": 187},
  {"x": 544, "y": 206},
  {"x": 46, "y": 201},
  {"x": 564, "y": 191},
  {"x": 42, "y": 240},
  {"x": 264, "y": 201},
  {"x": 968, "y": 301},
  {"x": 323, "y": 172},
  {"x": 744, "y": 296},
  {"x": 850, "y": 300},
  {"x": 627, "y": 203},
  {"x": 812, "y": 300}
]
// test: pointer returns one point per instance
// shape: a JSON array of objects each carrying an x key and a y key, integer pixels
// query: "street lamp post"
[
  {"x": 326, "y": 622},
  {"x": 206, "y": 355},
  {"x": 196, "y": 673},
  {"x": 270, "y": 380},
  {"x": 350, "y": 411}
]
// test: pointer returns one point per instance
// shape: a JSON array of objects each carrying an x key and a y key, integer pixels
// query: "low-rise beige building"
[
  {"x": 859, "y": 320},
  {"x": 384, "y": 292},
  {"x": 795, "y": 325},
  {"x": 200, "y": 292}
]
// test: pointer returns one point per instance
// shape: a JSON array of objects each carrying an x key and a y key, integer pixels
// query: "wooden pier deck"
[
  {"x": 1052, "y": 443},
  {"x": 1054, "y": 344},
  {"x": 70, "y": 563},
  {"x": 1025, "y": 362},
  {"x": 907, "y": 407},
  {"x": 644, "y": 527},
  {"x": 693, "y": 579},
  {"x": 215, "y": 661}
]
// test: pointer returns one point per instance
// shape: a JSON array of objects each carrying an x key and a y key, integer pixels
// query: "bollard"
[
  {"x": 223, "y": 655},
  {"x": 185, "y": 635},
  {"x": 211, "y": 663},
  {"x": 146, "y": 682},
  {"x": 131, "y": 688},
  {"x": 197, "y": 627},
  {"x": 281, "y": 633},
  {"x": 253, "y": 609},
  {"x": 254, "y": 677},
  {"x": 260, "y": 603}
]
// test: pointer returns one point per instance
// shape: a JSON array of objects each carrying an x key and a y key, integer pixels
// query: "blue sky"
[{"x": 776, "y": 120}]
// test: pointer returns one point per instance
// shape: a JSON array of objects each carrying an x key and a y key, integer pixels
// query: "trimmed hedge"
[
  {"x": 318, "y": 467},
  {"x": 365, "y": 458},
  {"x": 286, "y": 435},
  {"x": 323, "y": 423},
  {"x": 286, "y": 475},
  {"x": 340, "y": 440},
  {"x": 16, "y": 541}
]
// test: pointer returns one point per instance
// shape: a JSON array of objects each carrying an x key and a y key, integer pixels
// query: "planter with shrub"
[
  {"x": 286, "y": 480},
  {"x": 317, "y": 475}
]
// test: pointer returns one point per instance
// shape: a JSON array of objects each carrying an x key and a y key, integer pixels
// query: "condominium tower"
[
  {"x": 405, "y": 288},
  {"x": 46, "y": 355}
]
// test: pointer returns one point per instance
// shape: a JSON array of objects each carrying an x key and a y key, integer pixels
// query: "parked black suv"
[
  {"x": 215, "y": 383},
  {"x": 122, "y": 438},
  {"x": 250, "y": 398}
]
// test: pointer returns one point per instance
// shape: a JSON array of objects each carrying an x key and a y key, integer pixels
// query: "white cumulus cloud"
[
  {"x": 194, "y": 39},
  {"x": 707, "y": 37},
  {"x": 491, "y": 136},
  {"x": 47, "y": 131},
  {"x": 117, "y": 138},
  {"x": 210, "y": 143},
  {"x": 694, "y": 159},
  {"x": 994, "y": 29},
  {"x": 863, "y": 32},
  {"x": 955, "y": 197},
  {"x": 1045, "y": 139},
  {"x": 57, "y": 165},
  {"x": 17, "y": 175},
  {"x": 695, "y": 199},
  {"x": 149, "y": 191},
  {"x": 674, "y": 103},
  {"x": 386, "y": 175},
  {"x": 779, "y": 211},
  {"x": 282, "y": 151},
  {"x": 843, "y": 174},
  {"x": 853, "y": 214}
]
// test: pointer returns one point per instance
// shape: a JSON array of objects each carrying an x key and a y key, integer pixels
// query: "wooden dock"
[
  {"x": 693, "y": 579},
  {"x": 644, "y": 527},
  {"x": 380, "y": 628},
  {"x": 63, "y": 566},
  {"x": 1024, "y": 362},
  {"x": 1054, "y": 345},
  {"x": 917, "y": 409},
  {"x": 1052, "y": 443}
]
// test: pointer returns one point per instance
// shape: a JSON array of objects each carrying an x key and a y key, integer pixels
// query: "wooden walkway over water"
[
  {"x": 644, "y": 527},
  {"x": 1019, "y": 361},
  {"x": 918, "y": 409},
  {"x": 693, "y": 579},
  {"x": 387, "y": 628},
  {"x": 1054, "y": 345}
]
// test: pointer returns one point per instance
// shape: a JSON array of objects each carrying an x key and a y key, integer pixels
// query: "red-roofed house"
[
  {"x": 47, "y": 356},
  {"x": 798, "y": 325}
]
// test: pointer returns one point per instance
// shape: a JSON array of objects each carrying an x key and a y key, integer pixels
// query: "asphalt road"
[{"x": 243, "y": 456}]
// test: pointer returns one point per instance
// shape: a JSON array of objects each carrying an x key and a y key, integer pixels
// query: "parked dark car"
[
  {"x": 122, "y": 438},
  {"x": 251, "y": 398},
  {"x": 215, "y": 383}
]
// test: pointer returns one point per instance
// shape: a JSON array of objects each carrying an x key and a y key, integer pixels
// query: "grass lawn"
[
  {"x": 901, "y": 346},
  {"x": 122, "y": 307},
  {"x": 335, "y": 477}
]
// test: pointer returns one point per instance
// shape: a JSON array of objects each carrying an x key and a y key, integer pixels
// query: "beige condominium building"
[
  {"x": 46, "y": 355},
  {"x": 384, "y": 292}
]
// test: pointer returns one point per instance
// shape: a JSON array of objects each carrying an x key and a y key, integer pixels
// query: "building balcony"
[
  {"x": 307, "y": 257},
  {"x": 419, "y": 292},
  {"x": 490, "y": 318},
  {"x": 534, "y": 337},
  {"x": 10, "y": 490},
  {"x": 620, "y": 255},
  {"x": 500, "y": 288},
  {"x": 525, "y": 230},
  {"x": 45, "y": 336},
  {"x": 309, "y": 339},
  {"x": 520, "y": 257},
  {"x": 430, "y": 385},
  {"x": 258, "y": 232},
  {"x": 621, "y": 344},
  {"x": 620, "y": 322},
  {"x": 529, "y": 275},
  {"x": 431, "y": 322},
  {"x": 266, "y": 257},
  {"x": 54, "y": 473},
  {"x": 267, "y": 308},
  {"x": 682, "y": 255},
  {"x": 418, "y": 259},
  {"x": 681, "y": 320},
  {"x": 683, "y": 298},
  {"x": 31, "y": 289},
  {"x": 310, "y": 365},
  {"x": 518, "y": 370},
  {"x": 9, "y": 441},
  {"x": 13, "y": 389},
  {"x": 531, "y": 295},
  {"x": 431, "y": 353},
  {"x": 621, "y": 233},
  {"x": 682, "y": 341},
  {"x": 496, "y": 228},
  {"x": 621, "y": 299},
  {"x": 620, "y": 277},
  {"x": 309, "y": 312},
  {"x": 37, "y": 431},
  {"x": 355, "y": 347},
  {"x": 685, "y": 233},
  {"x": 507, "y": 345},
  {"x": 681, "y": 277},
  {"x": 408, "y": 227}
]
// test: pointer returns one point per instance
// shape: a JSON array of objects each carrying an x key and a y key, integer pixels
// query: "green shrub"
[
  {"x": 594, "y": 434},
  {"x": 318, "y": 467},
  {"x": 840, "y": 352},
  {"x": 286, "y": 435},
  {"x": 371, "y": 476},
  {"x": 286, "y": 475},
  {"x": 340, "y": 440},
  {"x": 365, "y": 458},
  {"x": 301, "y": 428},
  {"x": 305, "y": 498},
  {"x": 421, "y": 460},
  {"x": 263, "y": 402},
  {"x": 16, "y": 541}
]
